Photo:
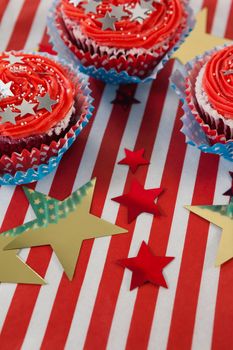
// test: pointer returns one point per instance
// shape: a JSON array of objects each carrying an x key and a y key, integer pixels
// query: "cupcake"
[
  {"x": 42, "y": 103},
  {"x": 209, "y": 94},
  {"x": 131, "y": 37}
]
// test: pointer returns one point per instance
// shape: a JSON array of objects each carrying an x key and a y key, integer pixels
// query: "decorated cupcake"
[
  {"x": 209, "y": 94},
  {"x": 131, "y": 37},
  {"x": 41, "y": 105}
]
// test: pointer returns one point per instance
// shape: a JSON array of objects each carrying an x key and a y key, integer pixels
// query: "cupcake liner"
[
  {"x": 30, "y": 166},
  {"x": 192, "y": 129},
  {"x": 108, "y": 74},
  {"x": 215, "y": 129}
]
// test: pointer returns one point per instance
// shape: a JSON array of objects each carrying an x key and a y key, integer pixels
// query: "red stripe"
[
  {"x": 3, "y": 5},
  {"x": 70, "y": 291},
  {"x": 23, "y": 25},
  {"x": 143, "y": 311},
  {"x": 211, "y": 5},
  {"x": 119, "y": 246},
  {"x": 188, "y": 286},
  {"x": 25, "y": 297}
]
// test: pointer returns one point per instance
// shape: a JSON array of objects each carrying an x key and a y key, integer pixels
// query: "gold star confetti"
[{"x": 199, "y": 40}]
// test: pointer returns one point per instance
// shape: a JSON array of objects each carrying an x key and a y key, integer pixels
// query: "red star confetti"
[
  {"x": 230, "y": 191},
  {"x": 125, "y": 97},
  {"x": 134, "y": 159},
  {"x": 139, "y": 200},
  {"x": 146, "y": 267}
]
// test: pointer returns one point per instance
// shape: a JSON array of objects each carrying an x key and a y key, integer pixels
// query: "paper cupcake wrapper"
[
  {"x": 111, "y": 76},
  {"x": 193, "y": 130},
  {"x": 39, "y": 163}
]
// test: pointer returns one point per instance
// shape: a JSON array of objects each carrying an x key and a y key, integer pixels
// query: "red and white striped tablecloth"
[{"x": 96, "y": 310}]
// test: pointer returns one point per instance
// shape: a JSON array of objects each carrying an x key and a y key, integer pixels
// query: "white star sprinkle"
[
  {"x": 108, "y": 22},
  {"x": 74, "y": 2},
  {"x": 228, "y": 72},
  {"x": 147, "y": 4},
  {"x": 5, "y": 90},
  {"x": 118, "y": 11},
  {"x": 91, "y": 6},
  {"x": 8, "y": 116},
  {"x": 12, "y": 59},
  {"x": 26, "y": 108},
  {"x": 46, "y": 102},
  {"x": 138, "y": 13}
]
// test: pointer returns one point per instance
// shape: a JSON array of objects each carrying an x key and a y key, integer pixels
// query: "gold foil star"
[
  {"x": 221, "y": 216},
  {"x": 13, "y": 269},
  {"x": 199, "y": 40},
  {"x": 65, "y": 233}
]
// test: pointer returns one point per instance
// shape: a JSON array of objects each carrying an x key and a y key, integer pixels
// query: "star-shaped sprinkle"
[
  {"x": 138, "y": 13},
  {"x": 228, "y": 72},
  {"x": 91, "y": 6},
  {"x": 125, "y": 97},
  {"x": 134, "y": 159},
  {"x": 75, "y": 2},
  {"x": 12, "y": 268},
  {"x": 118, "y": 11},
  {"x": 8, "y": 116},
  {"x": 5, "y": 90},
  {"x": 193, "y": 46},
  {"x": 26, "y": 108},
  {"x": 108, "y": 22},
  {"x": 230, "y": 191},
  {"x": 12, "y": 59},
  {"x": 65, "y": 233},
  {"x": 147, "y": 4},
  {"x": 221, "y": 216},
  {"x": 46, "y": 102},
  {"x": 139, "y": 200},
  {"x": 146, "y": 267}
]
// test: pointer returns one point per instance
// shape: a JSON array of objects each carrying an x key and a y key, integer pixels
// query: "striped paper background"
[{"x": 96, "y": 310}]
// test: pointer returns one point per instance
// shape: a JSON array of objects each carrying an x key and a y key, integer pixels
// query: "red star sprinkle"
[
  {"x": 134, "y": 159},
  {"x": 230, "y": 191},
  {"x": 139, "y": 200},
  {"x": 146, "y": 267}
]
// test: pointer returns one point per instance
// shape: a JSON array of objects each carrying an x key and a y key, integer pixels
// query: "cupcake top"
[
  {"x": 217, "y": 82},
  {"x": 35, "y": 94},
  {"x": 127, "y": 24}
]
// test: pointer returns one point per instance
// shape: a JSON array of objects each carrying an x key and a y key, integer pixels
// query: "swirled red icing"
[
  {"x": 36, "y": 76},
  {"x": 161, "y": 25},
  {"x": 218, "y": 81}
]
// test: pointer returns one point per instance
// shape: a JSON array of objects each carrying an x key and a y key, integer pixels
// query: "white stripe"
[
  {"x": 126, "y": 299},
  {"x": 222, "y": 13},
  {"x": 38, "y": 26},
  {"x": 202, "y": 335},
  {"x": 47, "y": 294},
  {"x": 87, "y": 296},
  {"x": 196, "y": 5},
  {"x": 8, "y": 22}
]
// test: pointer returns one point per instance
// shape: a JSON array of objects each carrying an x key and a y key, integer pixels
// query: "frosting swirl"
[
  {"x": 160, "y": 26},
  {"x": 30, "y": 79},
  {"x": 218, "y": 82}
]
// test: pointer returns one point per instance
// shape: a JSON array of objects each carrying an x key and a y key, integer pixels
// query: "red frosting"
[
  {"x": 219, "y": 86},
  {"x": 161, "y": 25},
  {"x": 36, "y": 76}
]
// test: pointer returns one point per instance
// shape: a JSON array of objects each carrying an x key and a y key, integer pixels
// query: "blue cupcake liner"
[
  {"x": 31, "y": 175},
  {"x": 110, "y": 76},
  {"x": 192, "y": 130}
]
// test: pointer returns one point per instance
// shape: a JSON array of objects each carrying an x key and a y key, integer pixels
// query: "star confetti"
[
  {"x": 8, "y": 115},
  {"x": 70, "y": 223},
  {"x": 5, "y": 89},
  {"x": 91, "y": 6},
  {"x": 118, "y": 11},
  {"x": 75, "y": 2},
  {"x": 230, "y": 191},
  {"x": 221, "y": 216},
  {"x": 134, "y": 159},
  {"x": 138, "y": 13},
  {"x": 26, "y": 108},
  {"x": 12, "y": 268},
  {"x": 193, "y": 46},
  {"x": 12, "y": 59},
  {"x": 139, "y": 200},
  {"x": 145, "y": 4},
  {"x": 108, "y": 22},
  {"x": 46, "y": 102},
  {"x": 146, "y": 267},
  {"x": 125, "y": 97}
]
